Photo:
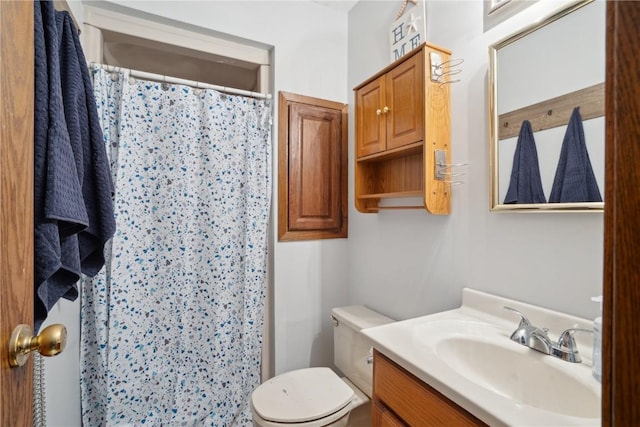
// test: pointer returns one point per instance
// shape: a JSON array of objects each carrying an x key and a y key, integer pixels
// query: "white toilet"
[{"x": 315, "y": 397}]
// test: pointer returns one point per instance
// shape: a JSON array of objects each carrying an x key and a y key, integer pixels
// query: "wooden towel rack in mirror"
[{"x": 541, "y": 74}]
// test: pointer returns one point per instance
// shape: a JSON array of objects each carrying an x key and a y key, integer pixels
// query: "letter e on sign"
[{"x": 408, "y": 31}]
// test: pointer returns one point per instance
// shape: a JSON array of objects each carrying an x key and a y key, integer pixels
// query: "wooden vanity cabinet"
[
  {"x": 401, "y": 399},
  {"x": 402, "y": 118}
]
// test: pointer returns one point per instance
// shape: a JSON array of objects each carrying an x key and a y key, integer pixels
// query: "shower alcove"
[
  {"x": 159, "y": 46},
  {"x": 123, "y": 37}
]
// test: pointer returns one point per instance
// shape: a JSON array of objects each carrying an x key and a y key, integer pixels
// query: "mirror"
[{"x": 540, "y": 75}]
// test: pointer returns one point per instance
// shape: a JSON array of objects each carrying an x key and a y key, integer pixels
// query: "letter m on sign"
[{"x": 408, "y": 31}]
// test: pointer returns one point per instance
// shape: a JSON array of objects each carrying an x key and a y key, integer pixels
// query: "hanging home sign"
[{"x": 409, "y": 29}]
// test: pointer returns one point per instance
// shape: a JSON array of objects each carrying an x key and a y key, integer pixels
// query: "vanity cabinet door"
[
  {"x": 411, "y": 400},
  {"x": 383, "y": 417}
]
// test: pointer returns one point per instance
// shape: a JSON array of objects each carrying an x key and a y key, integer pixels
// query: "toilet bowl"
[{"x": 318, "y": 397}]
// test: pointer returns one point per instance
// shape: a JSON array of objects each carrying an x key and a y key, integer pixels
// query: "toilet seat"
[{"x": 302, "y": 396}]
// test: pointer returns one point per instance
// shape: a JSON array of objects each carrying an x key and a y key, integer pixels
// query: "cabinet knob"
[
  {"x": 385, "y": 110},
  {"x": 378, "y": 112}
]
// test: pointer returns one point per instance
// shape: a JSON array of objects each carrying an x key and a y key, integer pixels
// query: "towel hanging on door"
[{"x": 72, "y": 194}]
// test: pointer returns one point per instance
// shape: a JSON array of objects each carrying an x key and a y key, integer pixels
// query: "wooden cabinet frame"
[{"x": 397, "y": 139}]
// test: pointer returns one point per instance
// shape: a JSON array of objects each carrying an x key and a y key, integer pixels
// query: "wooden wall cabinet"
[
  {"x": 401, "y": 399},
  {"x": 312, "y": 168},
  {"x": 390, "y": 109},
  {"x": 402, "y": 118}
]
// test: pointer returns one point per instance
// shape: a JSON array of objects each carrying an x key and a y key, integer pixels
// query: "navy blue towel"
[
  {"x": 87, "y": 141},
  {"x": 574, "y": 181},
  {"x": 68, "y": 166},
  {"x": 59, "y": 211},
  {"x": 525, "y": 185}
]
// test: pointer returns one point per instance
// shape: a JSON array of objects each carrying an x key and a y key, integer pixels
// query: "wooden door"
[
  {"x": 405, "y": 101},
  {"x": 16, "y": 202},
  {"x": 621, "y": 327},
  {"x": 370, "y": 118}
]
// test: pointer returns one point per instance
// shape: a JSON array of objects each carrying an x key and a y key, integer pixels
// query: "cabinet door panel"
[
  {"x": 415, "y": 402},
  {"x": 370, "y": 123},
  {"x": 405, "y": 101},
  {"x": 314, "y": 168}
]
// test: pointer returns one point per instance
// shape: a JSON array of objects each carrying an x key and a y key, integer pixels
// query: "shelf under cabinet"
[
  {"x": 406, "y": 150},
  {"x": 398, "y": 194},
  {"x": 398, "y": 175}
]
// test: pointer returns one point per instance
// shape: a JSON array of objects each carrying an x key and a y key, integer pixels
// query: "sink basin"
[
  {"x": 503, "y": 369},
  {"x": 467, "y": 355}
]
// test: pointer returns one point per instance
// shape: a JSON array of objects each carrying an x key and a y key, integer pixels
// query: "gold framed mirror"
[{"x": 543, "y": 156}]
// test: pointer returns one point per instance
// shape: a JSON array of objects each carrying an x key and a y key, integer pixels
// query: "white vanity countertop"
[{"x": 466, "y": 355}]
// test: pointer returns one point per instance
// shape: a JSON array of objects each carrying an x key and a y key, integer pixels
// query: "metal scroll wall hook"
[
  {"x": 442, "y": 170},
  {"x": 50, "y": 342},
  {"x": 442, "y": 71}
]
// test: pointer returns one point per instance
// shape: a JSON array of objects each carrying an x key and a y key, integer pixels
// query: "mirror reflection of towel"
[
  {"x": 525, "y": 185},
  {"x": 574, "y": 181}
]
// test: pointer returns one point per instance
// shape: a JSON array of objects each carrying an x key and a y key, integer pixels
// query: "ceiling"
[{"x": 345, "y": 5}]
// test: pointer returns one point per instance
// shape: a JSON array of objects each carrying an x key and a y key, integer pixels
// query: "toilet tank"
[{"x": 351, "y": 349}]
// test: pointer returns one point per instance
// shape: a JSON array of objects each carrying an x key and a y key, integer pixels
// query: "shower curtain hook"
[{"x": 164, "y": 85}]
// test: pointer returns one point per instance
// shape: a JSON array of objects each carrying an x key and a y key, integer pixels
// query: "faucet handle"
[
  {"x": 567, "y": 340},
  {"x": 524, "y": 321}
]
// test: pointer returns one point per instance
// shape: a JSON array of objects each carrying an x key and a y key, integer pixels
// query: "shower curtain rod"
[{"x": 174, "y": 80}]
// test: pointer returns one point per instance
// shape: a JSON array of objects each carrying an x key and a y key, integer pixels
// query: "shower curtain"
[{"x": 171, "y": 328}]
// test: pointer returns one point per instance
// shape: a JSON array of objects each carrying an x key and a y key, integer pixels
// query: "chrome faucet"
[{"x": 538, "y": 339}]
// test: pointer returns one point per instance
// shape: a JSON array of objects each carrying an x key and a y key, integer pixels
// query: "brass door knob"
[{"x": 49, "y": 342}]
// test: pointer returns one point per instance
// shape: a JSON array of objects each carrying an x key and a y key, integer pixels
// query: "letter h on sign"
[{"x": 408, "y": 31}]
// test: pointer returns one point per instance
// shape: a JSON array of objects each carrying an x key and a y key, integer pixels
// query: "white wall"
[{"x": 407, "y": 264}]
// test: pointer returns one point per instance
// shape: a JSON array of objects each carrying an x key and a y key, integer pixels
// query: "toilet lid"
[{"x": 302, "y": 395}]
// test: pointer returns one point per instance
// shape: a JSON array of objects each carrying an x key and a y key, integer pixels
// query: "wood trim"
[
  {"x": 437, "y": 125},
  {"x": 621, "y": 334},
  {"x": 553, "y": 112},
  {"x": 16, "y": 202}
]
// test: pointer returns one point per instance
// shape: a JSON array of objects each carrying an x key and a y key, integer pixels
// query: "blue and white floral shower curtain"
[{"x": 172, "y": 327}]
